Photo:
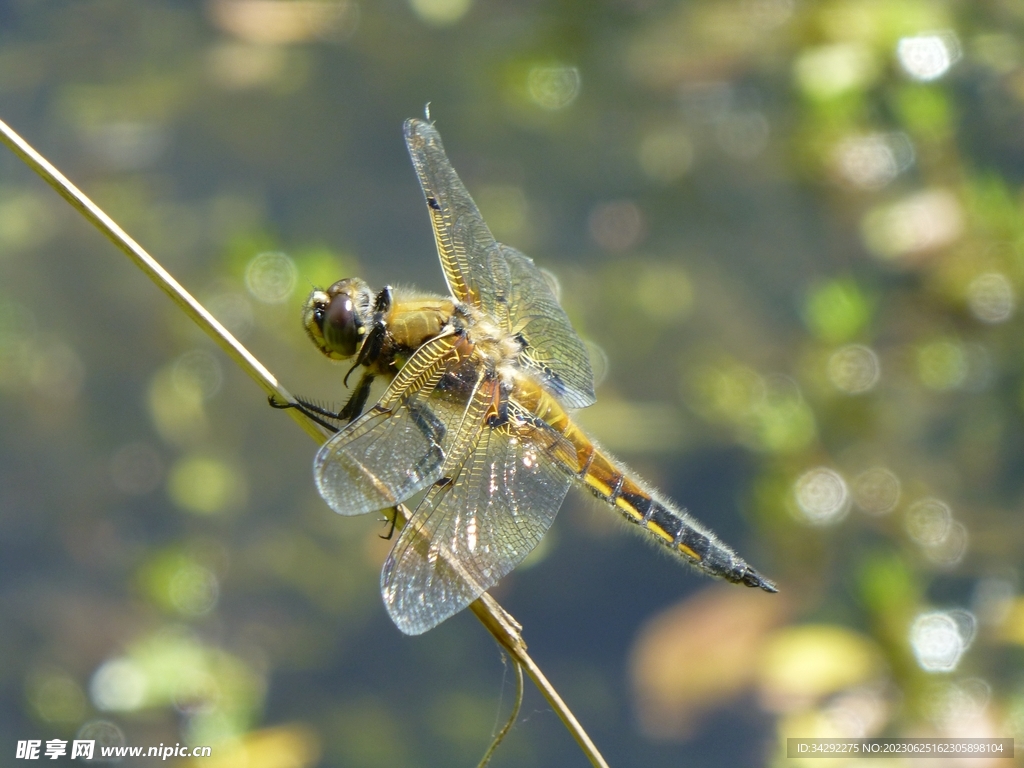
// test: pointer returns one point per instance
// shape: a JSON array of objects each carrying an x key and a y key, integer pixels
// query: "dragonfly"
[{"x": 476, "y": 415}]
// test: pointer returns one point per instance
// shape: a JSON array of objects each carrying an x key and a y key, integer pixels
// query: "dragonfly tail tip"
[{"x": 752, "y": 578}]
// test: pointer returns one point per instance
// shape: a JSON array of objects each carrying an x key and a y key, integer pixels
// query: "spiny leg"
[
  {"x": 315, "y": 413},
  {"x": 357, "y": 400},
  {"x": 325, "y": 417}
]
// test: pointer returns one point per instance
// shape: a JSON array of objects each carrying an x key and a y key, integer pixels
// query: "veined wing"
[
  {"x": 398, "y": 446},
  {"x": 500, "y": 280},
  {"x": 496, "y": 501},
  {"x": 475, "y": 270},
  {"x": 554, "y": 353}
]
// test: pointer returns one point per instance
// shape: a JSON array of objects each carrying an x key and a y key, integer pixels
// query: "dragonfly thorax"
[{"x": 497, "y": 349}]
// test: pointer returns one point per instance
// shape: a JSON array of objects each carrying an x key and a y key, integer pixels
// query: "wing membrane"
[
  {"x": 554, "y": 352},
  {"x": 397, "y": 448},
  {"x": 473, "y": 266},
  {"x": 503, "y": 494},
  {"x": 500, "y": 280}
]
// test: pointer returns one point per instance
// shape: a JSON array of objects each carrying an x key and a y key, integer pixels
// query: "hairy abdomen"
[{"x": 614, "y": 483}]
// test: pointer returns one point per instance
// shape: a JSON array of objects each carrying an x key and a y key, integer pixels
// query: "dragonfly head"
[{"x": 336, "y": 319}]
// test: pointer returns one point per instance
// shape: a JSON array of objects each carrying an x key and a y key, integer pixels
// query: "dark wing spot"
[{"x": 433, "y": 204}]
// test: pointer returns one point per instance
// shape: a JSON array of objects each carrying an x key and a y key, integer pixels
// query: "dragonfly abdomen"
[
  {"x": 670, "y": 527},
  {"x": 612, "y": 482}
]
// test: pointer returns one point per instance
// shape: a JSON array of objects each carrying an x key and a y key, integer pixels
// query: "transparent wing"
[
  {"x": 473, "y": 266},
  {"x": 478, "y": 523},
  {"x": 554, "y": 352},
  {"x": 397, "y": 447},
  {"x": 496, "y": 278}
]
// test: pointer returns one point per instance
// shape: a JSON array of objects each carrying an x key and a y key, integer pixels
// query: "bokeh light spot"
[
  {"x": 441, "y": 13},
  {"x": 929, "y": 521},
  {"x": 180, "y": 582},
  {"x": 291, "y": 746},
  {"x": 951, "y": 550},
  {"x": 928, "y": 57},
  {"x": 870, "y": 162},
  {"x": 278, "y": 22},
  {"x": 854, "y": 369},
  {"x": 119, "y": 685},
  {"x": 888, "y": 583},
  {"x": 960, "y": 705},
  {"x": 857, "y": 713},
  {"x": 782, "y": 422},
  {"x": 725, "y": 392},
  {"x": 233, "y": 310},
  {"x": 193, "y": 589},
  {"x": 800, "y": 664},
  {"x": 822, "y": 496},
  {"x": 940, "y": 638},
  {"x": 876, "y": 491},
  {"x": 197, "y": 372},
  {"x": 916, "y": 225},
  {"x": 837, "y": 310},
  {"x": 553, "y": 87},
  {"x": 832, "y": 70},
  {"x": 271, "y": 277},
  {"x": 55, "y": 696},
  {"x": 176, "y": 407},
  {"x": 103, "y": 732},
  {"x": 696, "y": 656},
  {"x": 990, "y": 297},
  {"x": 205, "y": 485}
]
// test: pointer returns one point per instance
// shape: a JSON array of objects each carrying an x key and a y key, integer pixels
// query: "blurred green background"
[{"x": 794, "y": 229}]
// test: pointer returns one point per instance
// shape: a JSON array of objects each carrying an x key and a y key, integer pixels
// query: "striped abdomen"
[
  {"x": 611, "y": 481},
  {"x": 672, "y": 527}
]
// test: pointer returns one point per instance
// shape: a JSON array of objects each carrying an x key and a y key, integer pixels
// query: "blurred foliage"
[{"x": 794, "y": 228}]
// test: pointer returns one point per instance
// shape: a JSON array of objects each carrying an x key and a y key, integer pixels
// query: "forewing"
[
  {"x": 554, "y": 353},
  {"x": 496, "y": 278},
  {"x": 397, "y": 447},
  {"x": 468, "y": 533},
  {"x": 473, "y": 265}
]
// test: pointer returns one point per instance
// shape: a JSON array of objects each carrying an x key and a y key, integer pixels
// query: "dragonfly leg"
[
  {"x": 393, "y": 519},
  {"x": 357, "y": 400},
  {"x": 316, "y": 413}
]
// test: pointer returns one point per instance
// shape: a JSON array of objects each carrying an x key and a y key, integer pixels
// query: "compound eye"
[{"x": 341, "y": 326}]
